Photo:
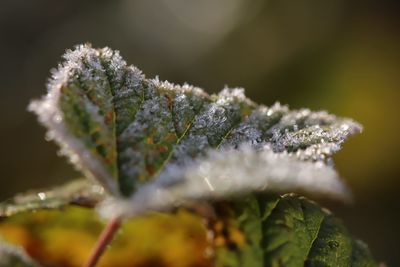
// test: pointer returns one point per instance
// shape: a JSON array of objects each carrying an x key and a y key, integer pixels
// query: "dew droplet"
[
  {"x": 333, "y": 244},
  {"x": 42, "y": 196}
]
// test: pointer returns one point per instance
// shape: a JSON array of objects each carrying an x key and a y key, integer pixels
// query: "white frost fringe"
[
  {"x": 229, "y": 172},
  {"x": 50, "y": 115}
]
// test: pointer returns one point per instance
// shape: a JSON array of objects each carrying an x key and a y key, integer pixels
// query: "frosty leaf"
[
  {"x": 12, "y": 256},
  {"x": 226, "y": 172},
  {"x": 288, "y": 231},
  {"x": 124, "y": 130},
  {"x": 155, "y": 145},
  {"x": 79, "y": 192}
]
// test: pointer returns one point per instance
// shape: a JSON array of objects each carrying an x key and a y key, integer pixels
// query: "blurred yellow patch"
[{"x": 65, "y": 238}]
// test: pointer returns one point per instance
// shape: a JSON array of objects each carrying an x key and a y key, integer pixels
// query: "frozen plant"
[{"x": 155, "y": 146}]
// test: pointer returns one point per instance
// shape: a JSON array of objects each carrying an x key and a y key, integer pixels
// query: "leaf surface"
[{"x": 290, "y": 231}]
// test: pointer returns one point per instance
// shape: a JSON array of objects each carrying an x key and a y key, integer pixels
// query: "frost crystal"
[{"x": 158, "y": 144}]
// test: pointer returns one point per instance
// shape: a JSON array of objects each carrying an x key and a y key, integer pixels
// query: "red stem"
[{"x": 104, "y": 239}]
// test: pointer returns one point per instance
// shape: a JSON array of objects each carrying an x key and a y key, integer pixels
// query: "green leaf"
[
  {"x": 124, "y": 130},
  {"x": 290, "y": 231},
  {"x": 13, "y": 256},
  {"x": 79, "y": 192}
]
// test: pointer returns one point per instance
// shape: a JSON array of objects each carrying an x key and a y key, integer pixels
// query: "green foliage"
[
  {"x": 290, "y": 231},
  {"x": 154, "y": 145}
]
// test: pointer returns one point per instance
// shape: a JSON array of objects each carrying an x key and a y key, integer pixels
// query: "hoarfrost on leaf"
[
  {"x": 228, "y": 172},
  {"x": 139, "y": 136}
]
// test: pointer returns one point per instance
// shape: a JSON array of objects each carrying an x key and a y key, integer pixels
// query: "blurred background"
[{"x": 338, "y": 55}]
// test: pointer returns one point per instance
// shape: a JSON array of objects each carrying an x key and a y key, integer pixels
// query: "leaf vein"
[
  {"x": 168, "y": 158},
  {"x": 314, "y": 238}
]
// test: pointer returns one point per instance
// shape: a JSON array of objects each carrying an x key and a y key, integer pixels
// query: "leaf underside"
[
  {"x": 125, "y": 130},
  {"x": 288, "y": 231}
]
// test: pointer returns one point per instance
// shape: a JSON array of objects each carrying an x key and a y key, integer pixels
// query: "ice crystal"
[{"x": 142, "y": 138}]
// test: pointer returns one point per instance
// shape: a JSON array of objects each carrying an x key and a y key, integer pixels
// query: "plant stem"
[{"x": 105, "y": 238}]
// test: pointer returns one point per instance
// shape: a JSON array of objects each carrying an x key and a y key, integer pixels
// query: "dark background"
[{"x": 338, "y": 55}]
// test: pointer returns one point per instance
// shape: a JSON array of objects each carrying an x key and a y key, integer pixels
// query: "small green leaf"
[
  {"x": 78, "y": 192},
  {"x": 290, "y": 231},
  {"x": 12, "y": 256}
]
